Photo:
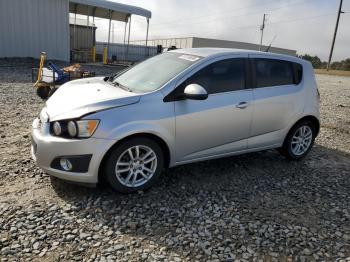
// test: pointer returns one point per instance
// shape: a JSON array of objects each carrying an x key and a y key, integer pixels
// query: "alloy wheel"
[
  {"x": 301, "y": 140},
  {"x": 136, "y": 166}
]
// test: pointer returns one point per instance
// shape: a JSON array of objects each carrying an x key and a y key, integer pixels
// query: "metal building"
[
  {"x": 32, "y": 26},
  {"x": 83, "y": 35},
  {"x": 192, "y": 42},
  {"x": 28, "y": 27}
]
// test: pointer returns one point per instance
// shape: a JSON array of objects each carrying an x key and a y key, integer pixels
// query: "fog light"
[{"x": 66, "y": 164}]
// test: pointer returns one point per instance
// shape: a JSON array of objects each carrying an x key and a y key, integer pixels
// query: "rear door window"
[{"x": 272, "y": 72}]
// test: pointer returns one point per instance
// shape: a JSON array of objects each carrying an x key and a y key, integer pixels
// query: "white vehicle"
[{"x": 179, "y": 107}]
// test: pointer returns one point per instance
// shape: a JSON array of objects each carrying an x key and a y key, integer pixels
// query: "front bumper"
[{"x": 45, "y": 148}]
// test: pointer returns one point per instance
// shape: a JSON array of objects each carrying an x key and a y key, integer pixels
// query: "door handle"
[{"x": 242, "y": 105}]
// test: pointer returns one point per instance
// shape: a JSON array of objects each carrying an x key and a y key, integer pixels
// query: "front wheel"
[
  {"x": 134, "y": 165},
  {"x": 299, "y": 140},
  {"x": 43, "y": 91}
]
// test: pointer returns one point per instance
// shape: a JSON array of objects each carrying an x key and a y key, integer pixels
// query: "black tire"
[
  {"x": 286, "y": 149},
  {"x": 52, "y": 91},
  {"x": 43, "y": 91},
  {"x": 111, "y": 161}
]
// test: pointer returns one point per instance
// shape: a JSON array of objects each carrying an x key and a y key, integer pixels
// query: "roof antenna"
[{"x": 268, "y": 48}]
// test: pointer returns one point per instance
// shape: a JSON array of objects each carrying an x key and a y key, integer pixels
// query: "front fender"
[
  {"x": 130, "y": 129},
  {"x": 150, "y": 116}
]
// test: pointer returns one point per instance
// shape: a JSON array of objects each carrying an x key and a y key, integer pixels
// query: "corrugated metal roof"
[{"x": 100, "y": 8}]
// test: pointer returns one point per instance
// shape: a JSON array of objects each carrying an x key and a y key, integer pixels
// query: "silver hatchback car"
[{"x": 179, "y": 107}]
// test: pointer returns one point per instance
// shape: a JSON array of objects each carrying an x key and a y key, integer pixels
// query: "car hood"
[{"x": 80, "y": 97}]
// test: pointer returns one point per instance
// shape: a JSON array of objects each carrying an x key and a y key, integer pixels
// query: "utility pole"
[
  {"x": 262, "y": 27},
  {"x": 335, "y": 34}
]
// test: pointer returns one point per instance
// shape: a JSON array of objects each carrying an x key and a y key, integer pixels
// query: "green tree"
[
  {"x": 314, "y": 60},
  {"x": 318, "y": 64}
]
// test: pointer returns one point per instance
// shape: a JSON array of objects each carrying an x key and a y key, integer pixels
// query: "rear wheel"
[
  {"x": 299, "y": 140},
  {"x": 134, "y": 165}
]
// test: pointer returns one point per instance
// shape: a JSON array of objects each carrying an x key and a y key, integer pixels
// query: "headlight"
[
  {"x": 57, "y": 129},
  {"x": 87, "y": 127},
  {"x": 72, "y": 128}
]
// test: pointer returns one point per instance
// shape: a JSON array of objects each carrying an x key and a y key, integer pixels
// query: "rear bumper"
[{"x": 46, "y": 148}]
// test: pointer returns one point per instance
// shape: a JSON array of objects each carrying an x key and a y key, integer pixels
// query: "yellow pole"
[
  {"x": 105, "y": 56},
  {"x": 41, "y": 65},
  {"x": 93, "y": 51}
]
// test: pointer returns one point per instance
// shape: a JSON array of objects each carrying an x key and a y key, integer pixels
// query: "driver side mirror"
[{"x": 195, "y": 92}]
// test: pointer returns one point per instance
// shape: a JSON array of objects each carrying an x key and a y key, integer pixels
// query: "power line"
[
  {"x": 156, "y": 28},
  {"x": 301, "y": 19},
  {"x": 227, "y": 11},
  {"x": 255, "y": 25},
  {"x": 272, "y": 23},
  {"x": 221, "y": 17},
  {"x": 239, "y": 28}
]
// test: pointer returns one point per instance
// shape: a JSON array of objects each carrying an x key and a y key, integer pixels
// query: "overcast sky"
[{"x": 304, "y": 25}]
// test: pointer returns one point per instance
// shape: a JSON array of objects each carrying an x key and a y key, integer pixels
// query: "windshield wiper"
[
  {"x": 116, "y": 83},
  {"x": 111, "y": 77}
]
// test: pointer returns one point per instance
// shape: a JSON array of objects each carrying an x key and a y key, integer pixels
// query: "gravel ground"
[{"x": 254, "y": 207}]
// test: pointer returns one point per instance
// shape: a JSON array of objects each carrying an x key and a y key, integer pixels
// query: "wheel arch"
[
  {"x": 164, "y": 146},
  {"x": 310, "y": 118}
]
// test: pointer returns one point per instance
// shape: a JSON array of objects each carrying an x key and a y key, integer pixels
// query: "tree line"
[{"x": 317, "y": 63}]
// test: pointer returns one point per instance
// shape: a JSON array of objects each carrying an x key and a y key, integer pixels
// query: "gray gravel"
[{"x": 254, "y": 207}]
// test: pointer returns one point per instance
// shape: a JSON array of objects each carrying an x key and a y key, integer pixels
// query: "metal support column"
[
  {"x": 129, "y": 29},
  {"x": 87, "y": 34},
  {"x": 126, "y": 25},
  {"x": 147, "y": 32},
  {"x": 93, "y": 24},
  {"x": 93, "y": 50},
  {"x": 109, "y": 32},
  {"x": 112, "y": 33},
  {"x": 127, "y": 47},
  {"x": 74, "y": 27}
]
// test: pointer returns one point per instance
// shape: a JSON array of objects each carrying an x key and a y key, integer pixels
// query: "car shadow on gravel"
[
  {"x": 225, "y": 174},
  {"x": 252, "y": 189}
]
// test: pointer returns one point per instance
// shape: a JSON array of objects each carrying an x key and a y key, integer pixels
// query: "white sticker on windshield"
[{"x": 191, "y": 58}]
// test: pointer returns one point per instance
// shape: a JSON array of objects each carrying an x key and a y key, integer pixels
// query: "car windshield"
[{"x": 153, "y": 73}]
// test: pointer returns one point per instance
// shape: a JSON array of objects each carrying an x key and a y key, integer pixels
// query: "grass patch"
[{"x": 332, "y": 72}]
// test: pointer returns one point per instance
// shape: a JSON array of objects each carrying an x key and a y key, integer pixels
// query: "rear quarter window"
[{"x": 298, "y": 73}]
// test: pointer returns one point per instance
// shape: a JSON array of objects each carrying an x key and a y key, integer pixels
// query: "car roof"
[
  {"x": 204, "y": 51},
  {"x": 212, "y": 52}
]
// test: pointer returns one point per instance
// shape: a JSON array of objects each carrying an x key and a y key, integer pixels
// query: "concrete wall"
[
  {"x": 192, "y": 42},
  {"x": 205, "y": 42},
  {"x": 185, "y": 42},
  {"x": 28, "y": 27}
]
